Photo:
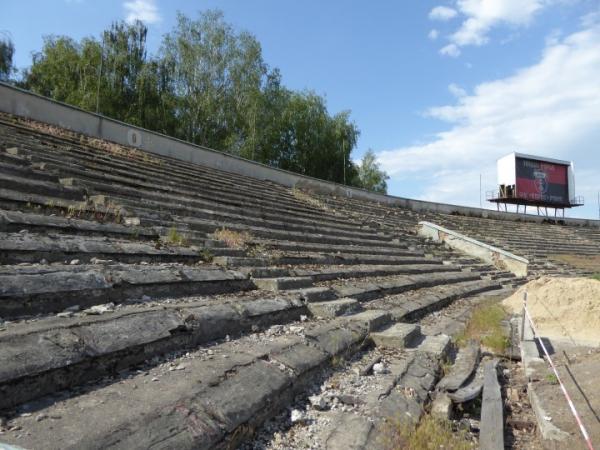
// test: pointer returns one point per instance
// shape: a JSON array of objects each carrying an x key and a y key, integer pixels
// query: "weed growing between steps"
[
  {"x": 306, "y": 198},
  {"x": 233, "y": 239},
  {"x": 176, "y": 238},
  {"x": 430, "y": 434},
  {"x": 485, "y": 327},
  {"x": 206, "y": 255}
]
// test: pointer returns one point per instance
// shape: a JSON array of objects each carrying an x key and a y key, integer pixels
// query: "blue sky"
[{"x": 439, "y": 89}]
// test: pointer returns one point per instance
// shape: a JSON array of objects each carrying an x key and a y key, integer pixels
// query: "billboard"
[{"x": 542, "y": 181}]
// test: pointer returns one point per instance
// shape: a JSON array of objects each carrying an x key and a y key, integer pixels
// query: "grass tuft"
[
  {"x": 429, "y": 434},
  {"x": 485, "y": 327},
  {"x": 175, "y": 238},
  {"x": 233, "y": 239}
]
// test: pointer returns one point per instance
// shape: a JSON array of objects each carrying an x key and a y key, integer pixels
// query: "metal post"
[
  {"x": 344, "y": 158},
  {"x": 480, "y": 190},
  {"x": 99, "y": 78},
  {"x": 523, "y": 315}
]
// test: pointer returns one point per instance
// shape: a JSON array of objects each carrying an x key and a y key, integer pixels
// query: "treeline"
[{"x": 207, "y": 84}]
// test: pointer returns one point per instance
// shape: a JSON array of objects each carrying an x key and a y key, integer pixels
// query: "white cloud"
[
  {"x": 144, "y": 10},
  {"x": 442, "y": 13},
  {"x": 551, "y": 108},
  {"x": 483, "y": 15},
  {"x": 433, "y": 34},
  {"x": 451, "y": 50},
  {"x": 456, "y": 90},
  {"x": 479, "y": 17}
]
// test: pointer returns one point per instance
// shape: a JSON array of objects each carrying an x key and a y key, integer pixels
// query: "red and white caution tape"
[{"x": 584, "y": 432}]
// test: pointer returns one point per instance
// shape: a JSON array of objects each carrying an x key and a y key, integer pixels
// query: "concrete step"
[
  {"x": 371, "y": 290},
  {"x": 26, "y": 290},
  {"x": 333, "y": 308},
  {"x": 28, "y": 247},
  {"x": 397, "y": 336},
  {"x": 314, "y": 294},
  {"x": 227, "y": 397},
  {"x": 15, "y": 221},
  {"x": 283, "y": 283}
]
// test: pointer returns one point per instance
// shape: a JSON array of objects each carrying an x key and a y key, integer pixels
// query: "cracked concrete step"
[
  {"x": 283, "y": 283},
  {"x": 398, "y": 336},
  {"x": 15, "y": 221},
  {"x": 42, "y": 289},
  {"x": 403, "y": 395},
  {"x": 373, "y": 319},
  {"x": 365, "y": 291},
  {"x": 338, "y": 259},
  {"x": 333, "y": 308},
  {"x": 223, "y": 193},
  {"x": 413, "y": 305},
  {"x": 334, "y": 273},
  {"x": 56, "y": 353},
  {"x": 328, "y": 274},
  {"x": 314, "y": 294},
  {"x": 21, "y": 247},
  {"x": 169, "y": 211},
  {"x": 290, "y": 246},
  {"x": 464, "y": 365},
  {"x": 210, "y": 403},
  {"x": 438, "y": 345},
  {"x": 40, "y": 187},
  {"x": 210, "y": 226}
]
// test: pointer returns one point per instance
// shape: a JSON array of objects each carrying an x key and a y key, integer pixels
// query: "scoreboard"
[{"x": 536, "y": 180}]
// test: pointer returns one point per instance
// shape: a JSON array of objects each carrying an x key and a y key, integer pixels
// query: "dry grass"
[
  {"x": 586, "y": 262},
  {"x": 485, "y": 327},
  {"x": 429, "y": 434},
  {"x": 306, "y": 198},
  {"x": 233, "y": 239},
  {"x": 110, "y": 147}
]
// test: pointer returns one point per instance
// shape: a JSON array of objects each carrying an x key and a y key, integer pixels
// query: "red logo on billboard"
[{"x": 541, "y": 181}]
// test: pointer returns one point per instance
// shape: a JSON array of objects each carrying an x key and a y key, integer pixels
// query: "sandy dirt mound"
[{"x": 562, "y": 308}]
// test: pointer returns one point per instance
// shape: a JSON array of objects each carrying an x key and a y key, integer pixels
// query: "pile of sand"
[{"x": 562, "y": 308}]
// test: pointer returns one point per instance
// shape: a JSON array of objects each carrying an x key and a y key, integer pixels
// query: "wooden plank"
[
  {"x": 463, "y": 368},
  {"x": 491, "y": 435}
]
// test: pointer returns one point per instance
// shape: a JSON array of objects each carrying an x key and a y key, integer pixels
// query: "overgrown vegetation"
[
  {"x": 551, "y": 378},
  {"x": 586, "y": 262},
  {"x": 232, "y": 238},
  {"x": 307, "y": 198},
  {"x": 485, "y": 327},
  {"x": 595, "y": 276},
  {"x": 176, "y": 238},
  {"x": 206, "y": 255},
  {"x": 208, "y": 84},
  {"x": 429, "y": 434}
]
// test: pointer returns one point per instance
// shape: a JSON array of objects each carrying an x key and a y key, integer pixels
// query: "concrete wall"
[
  {"x": 26, "y": 104},
  {"x": 501, "y": 259}
]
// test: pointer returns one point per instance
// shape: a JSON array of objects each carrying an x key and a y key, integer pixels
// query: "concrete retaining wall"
[
  {"x": 492, "y": 255},
  {"x": 27, "y": 104}
]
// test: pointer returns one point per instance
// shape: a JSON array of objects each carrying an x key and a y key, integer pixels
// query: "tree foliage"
[
  {"x": 370, "y": 176},
  {"x": 7, "y": 50},
  {"x": 208, "y": 84}
]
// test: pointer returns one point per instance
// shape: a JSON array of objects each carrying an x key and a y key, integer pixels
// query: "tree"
[
  {"x": 370, "y": 176},
  {"x": 208, "y": 84},
  {"x": 7, "y": 51},
  {"x": 218, "y": 76}
]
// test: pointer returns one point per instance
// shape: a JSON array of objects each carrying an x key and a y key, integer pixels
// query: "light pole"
[{"x": 344, "y": 159}]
